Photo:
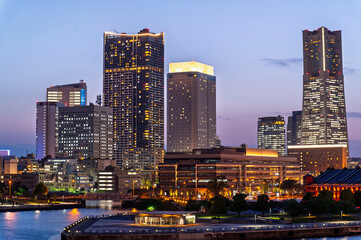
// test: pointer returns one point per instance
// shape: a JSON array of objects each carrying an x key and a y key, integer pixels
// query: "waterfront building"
[
  {"x": 191, "y": 121},
  {"x": 334, "y": 180},
  {"x": 47, "y": 114},
  {"x": 70, "y": 95},
  {"x": 246, "y": 169},
  {"x": 28, "y": 180},
  {"x": 318, "y": 158},
  {"x": 271, "y": 134},
  {"x": 324, "y": 111},
  {"x": 133, "y": 85},
  {"x": 165, "y": 218},
  {"x": 294, "y": 125},
  {"x": 86, "y": 132}
]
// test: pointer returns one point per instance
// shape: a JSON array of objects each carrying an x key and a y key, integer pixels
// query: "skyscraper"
[
  {"x": 294, "y": 128},
  {"x": 86, "y": 132},
  {"x": 324, "y": 110},
  {"x": 133, "y": 85},
  {"x": 47, "y": 114},
  {"x": 70, "y": 94},
  {"x": 191, "y": 107},
  {"x": 271, "y": 134}
]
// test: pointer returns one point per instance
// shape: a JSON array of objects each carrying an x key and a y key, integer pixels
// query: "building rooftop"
[
  {"x": 339, "y": 176},
  {"x": 190, "y": 67}
]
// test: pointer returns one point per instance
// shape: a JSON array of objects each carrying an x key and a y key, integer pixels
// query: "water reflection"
[
  {"x": 104, "y": 204},
  {"x": 73, "y": 215}
]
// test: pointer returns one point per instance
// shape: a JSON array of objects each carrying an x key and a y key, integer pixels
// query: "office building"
[
  {"x": 324, "y": 110},
  {"x": 47, "y": 114},
  {"x": 86, "y": 132},
  {"x": 271, "y": 134},
  {"x": 69, "y": 95},
  {"x": 4, "y": 152},
  {"x": 187, "y": 174},
  {"x": 318, "y": 158},
  {"x": 294, "y": 128},
  {"x": 133, "y": 86},
  {"x": 191, "y": 111}
]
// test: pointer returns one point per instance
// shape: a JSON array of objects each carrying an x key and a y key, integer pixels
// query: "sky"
[{"x": 254, "y": 46}]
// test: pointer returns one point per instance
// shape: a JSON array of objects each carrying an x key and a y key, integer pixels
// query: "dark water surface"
[{"x": 48, "y": 224}]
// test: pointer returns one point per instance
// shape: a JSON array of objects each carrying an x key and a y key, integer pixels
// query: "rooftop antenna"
[{"x": 115, "y": 31}]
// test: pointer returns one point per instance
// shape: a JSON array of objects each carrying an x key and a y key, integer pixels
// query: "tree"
[
  {"x": 325, "y": 194},
  {"x": 288, "y": 185},
  {"x": 262, "y": 203},
  {"x": 217, "y": 186},
  {"x": 239, "y": 203},
  {"x": 308, "y": 196},
  {"x": 40, "y": 189},
  {"x": 347, "y": 195},
  {"x": 265, "y": 186},
  {"x": 357, "y": 197},
  {"x": 318, "y": 205},
  {"x": 218, "y": 205},
  {"x": 293, "y": 208}
]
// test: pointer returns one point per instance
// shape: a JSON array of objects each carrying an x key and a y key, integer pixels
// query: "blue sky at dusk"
[{"x": 254, "y": 46}]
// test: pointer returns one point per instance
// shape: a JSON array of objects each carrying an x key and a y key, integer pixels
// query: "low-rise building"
[
  {"x": 245, "y": 169},
  {"x": 334, "y": 180},
  {"x": 318, "y": 158}
]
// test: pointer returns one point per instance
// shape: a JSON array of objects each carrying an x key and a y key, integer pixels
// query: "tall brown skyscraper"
[
  {"x": 191, "y": 107},
  {"x": 324, "y": 111},
  {"x": 133, "y": 85}
]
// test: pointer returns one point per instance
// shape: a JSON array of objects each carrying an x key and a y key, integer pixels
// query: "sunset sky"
[{"x": 254, "y": 46}]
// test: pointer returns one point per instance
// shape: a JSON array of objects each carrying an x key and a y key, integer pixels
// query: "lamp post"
[
  {"x": 255, "y": 218},
  {"x": 341, "y": 214},
  {"x": 133, "y": 186},
  {"x": 9, "y": 189}
]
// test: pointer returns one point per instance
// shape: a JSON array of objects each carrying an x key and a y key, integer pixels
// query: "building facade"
[
  {"x": 294, "y": 126},
  {"x": 70, "y": 95},
  {"x": 47, "y": 114},
  {"x": 324, "y": 111},
  {"x": 184, "y": 174},
  {"x": 133, "y": 85},
  {"x": 271, "y": 134},
  {"x": 191, "y": 121},
  {"x": 318, "y": 158},
  {"x": 86, "y": 132},
  {"x": 335, "y": 180}
]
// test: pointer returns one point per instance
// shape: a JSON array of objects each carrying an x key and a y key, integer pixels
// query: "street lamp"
[
  {"x": 133, "y": 186},
  {"x": 341, "y": 214},
  {"x": 10, "y": 189},
  {"x": 255, "y": 218}
]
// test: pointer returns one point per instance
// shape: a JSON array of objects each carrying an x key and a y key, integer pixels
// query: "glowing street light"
[{"x": 10, "y": 189}]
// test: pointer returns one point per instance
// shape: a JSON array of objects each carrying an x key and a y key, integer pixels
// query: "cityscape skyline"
[{"x": 286, "y": 65}]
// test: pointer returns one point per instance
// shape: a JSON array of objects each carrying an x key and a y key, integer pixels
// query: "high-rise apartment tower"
[
  {"x": 191, "y": 107},
  {"x": 133, "y": 85},
  {"x": 324, "y": 111}
]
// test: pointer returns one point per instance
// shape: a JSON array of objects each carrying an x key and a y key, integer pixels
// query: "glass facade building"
[
  {"x": 271, "y": 134},
  {"x": 86, "y": 132},
  {"x": 294, "y": 128},
  {"x": 324, "y": 111},
  {"x": 133, "y": 85},
  {"x": 191, "y": 120}
]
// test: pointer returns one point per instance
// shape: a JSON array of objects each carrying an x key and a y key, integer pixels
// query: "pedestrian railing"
[{"x": 206, "y": 229}]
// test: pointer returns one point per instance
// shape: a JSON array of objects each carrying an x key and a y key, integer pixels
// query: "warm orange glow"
[
  {"x": 190, "y": 67},
  {"x": 261, "y": 152},
  {"x": 134, "y": 210}
]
